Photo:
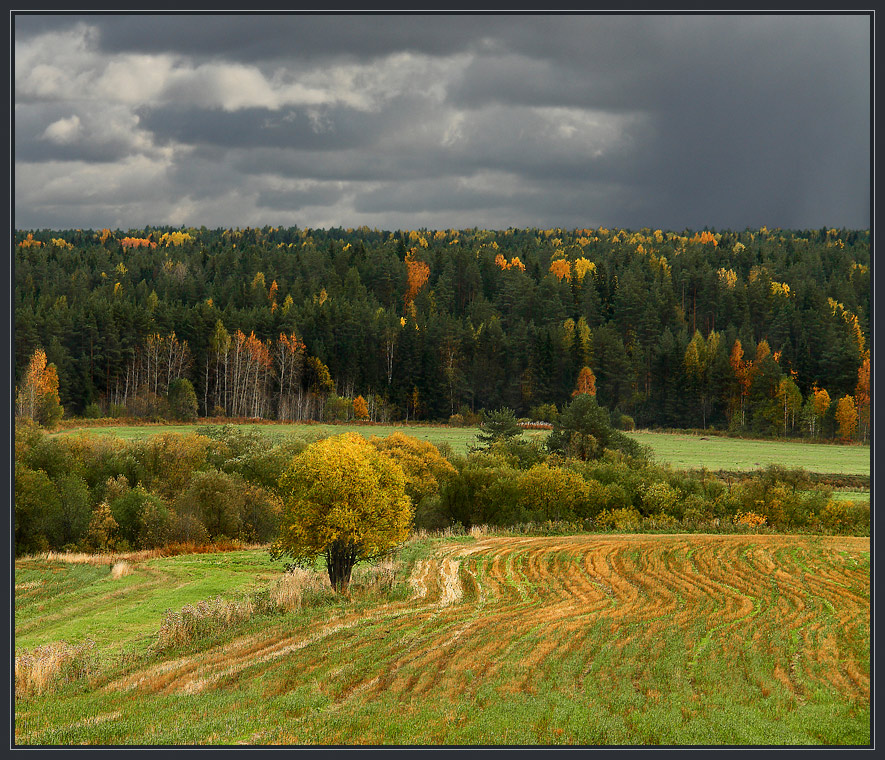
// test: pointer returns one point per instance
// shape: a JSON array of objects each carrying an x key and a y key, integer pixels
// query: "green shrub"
[
  {"x": 36, "y": 506},
  {"x": 182, "y": 399},
  {"x": 142, "y": 518},
  {"x": 217, "y": 500},
  {"x": 92, "y": 411}
]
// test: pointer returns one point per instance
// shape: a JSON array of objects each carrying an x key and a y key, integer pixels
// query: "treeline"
[{"x": 751, "y": 330}]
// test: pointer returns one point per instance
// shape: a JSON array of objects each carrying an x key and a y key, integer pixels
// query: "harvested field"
[{"x": 591, "y": 639}]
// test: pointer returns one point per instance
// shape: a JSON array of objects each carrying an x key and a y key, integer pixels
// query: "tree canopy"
[{"x": 344, "y": 501}]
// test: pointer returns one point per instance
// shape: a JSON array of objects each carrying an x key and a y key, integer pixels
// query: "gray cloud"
[{"x": 443, "y": 120}]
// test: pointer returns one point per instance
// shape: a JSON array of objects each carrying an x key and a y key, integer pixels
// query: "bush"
[
  {"x": 851, "y": 517},
  {"x": 217, "y": 500},
  {"x": 422, "y": 463},
  {"x": 619, "y": 519},
  {"x": 142, "y": 518},
  {"x": 37, "y": 509},
  {"x": 553, "y": 493},
  {"x": 262, "y": 511},
  {"x": 187, "y": 529},
  {"x": 182, "y": 399},
  {"x": 168, "y": 461},
  {"x": 117, "y": 410},
  {"x": 519, "y": 452},
  {"x": 658, "y": 497},
  {"x": 544, "y": 413},
  {"x": 147, "y": 405},
  {"x": 102, "y": 533},
  {"x": 92, "y": 411},
  {"x": 337, "y": 409}
]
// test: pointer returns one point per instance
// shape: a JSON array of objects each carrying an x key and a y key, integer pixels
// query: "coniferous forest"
[{"x": 759, "y": 331}]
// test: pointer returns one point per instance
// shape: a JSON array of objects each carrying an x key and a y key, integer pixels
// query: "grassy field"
[
  {"x": 458, "y": 438},
  {"x": 720, "y": 453},
  {"x": 681, "y": 451},
  {"x": 594, "y": 639}
]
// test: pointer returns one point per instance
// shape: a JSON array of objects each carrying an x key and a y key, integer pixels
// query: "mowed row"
[{"x": 592, "y": 639}]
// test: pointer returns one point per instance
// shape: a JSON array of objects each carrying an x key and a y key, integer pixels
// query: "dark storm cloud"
[
  {"x": 262, "y": 37},
  {"x": 662, "y": 121}
]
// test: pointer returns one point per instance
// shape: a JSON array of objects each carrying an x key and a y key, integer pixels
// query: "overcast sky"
[{"x": 454, "y": 121}]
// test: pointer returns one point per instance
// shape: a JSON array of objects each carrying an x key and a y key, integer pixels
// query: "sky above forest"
[{"x": 442, "y": 121}]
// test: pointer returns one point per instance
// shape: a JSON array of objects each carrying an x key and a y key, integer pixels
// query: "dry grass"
[
  {"x": 170, "y": 550},
  {"x": 43, "y": 668},
  {"x": 120, "y": 569},
  {"x": 288, "y": 593}
]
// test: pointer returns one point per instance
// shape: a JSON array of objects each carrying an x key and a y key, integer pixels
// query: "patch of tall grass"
[{"x": 43, "y": 668}]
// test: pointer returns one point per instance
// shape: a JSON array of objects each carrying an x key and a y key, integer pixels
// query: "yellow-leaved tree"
[
  {"x": 345, "y": 501},
  {"x": 846, "y": 417}
]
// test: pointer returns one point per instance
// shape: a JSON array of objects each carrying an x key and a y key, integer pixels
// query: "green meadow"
[{"x": 479, "y": 640}]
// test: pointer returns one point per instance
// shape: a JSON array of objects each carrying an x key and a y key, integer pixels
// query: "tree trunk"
[{"x": 340, "y": 559}]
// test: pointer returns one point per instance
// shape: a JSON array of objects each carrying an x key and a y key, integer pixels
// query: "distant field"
[
  {"x": 458, "y": 438},
  {"x": 592, "y": 639},
  {"x": 720, "y": 453},
  {"x": 680, "y": 451}
]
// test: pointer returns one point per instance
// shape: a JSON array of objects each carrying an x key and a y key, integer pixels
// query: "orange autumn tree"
[
  {"x": 417, "y": 274},
  {"x": 360, "y": 408},
  {"x": 37, "y": 398},
  {"x": 561, "y": 269},
  {"x": 586, "y": 383}
]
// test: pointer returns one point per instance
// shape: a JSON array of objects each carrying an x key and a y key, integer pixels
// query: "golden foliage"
[
  {"x": 727, "y": 277},
  {"x": 821, "y": 400},
  {"x": 846, "y": 417},
  {"x": 131, "y": 242},
  {"x": 704, "y": 238},
  {"x": 39, "y": 387},
  {"x": 175, "y": 238},
  {"x": 561, "y": 269},
  {"x": 417, "y": 274},
  {"x": 422, "y": 464},
  {"x": 342, "y": 492},
  {"x": 29, "y": 242},
  {"x": 514, "y": 263},
  {"x": 582, "y": 266}
]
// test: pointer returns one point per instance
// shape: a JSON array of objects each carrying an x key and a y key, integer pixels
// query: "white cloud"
[{"x": 63, "y": 131}]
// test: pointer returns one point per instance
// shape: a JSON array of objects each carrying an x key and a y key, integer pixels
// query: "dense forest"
[{"x": 762, "y": 331}]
